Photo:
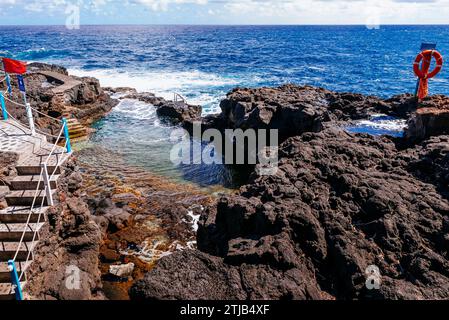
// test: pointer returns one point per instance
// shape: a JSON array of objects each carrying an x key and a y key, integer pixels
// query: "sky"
[{"x": 365, "y": 12}]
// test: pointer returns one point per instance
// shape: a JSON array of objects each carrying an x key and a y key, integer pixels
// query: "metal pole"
[
  {"x": 24, "y": 95},
  {"x": 47, "y": 184},
  {"x": 417, "y": 87},
  {"x": 30, "y": 119},
  {"x": 15, "y": 280},
  {"x": 67, "y": 135},
  {"x": 2, "y": 100},
  {"x": 8, "y": 83}
]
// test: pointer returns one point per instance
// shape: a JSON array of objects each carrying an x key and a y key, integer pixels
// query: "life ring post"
[{"x": 421, "y": 67}]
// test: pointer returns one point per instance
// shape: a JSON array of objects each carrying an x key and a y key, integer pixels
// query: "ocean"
[{"x": 204, "y": 62}]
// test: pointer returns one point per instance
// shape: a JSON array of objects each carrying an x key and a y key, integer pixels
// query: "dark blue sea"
[{"x": 204, "y": 62}]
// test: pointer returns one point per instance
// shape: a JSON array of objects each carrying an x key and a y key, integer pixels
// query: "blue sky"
[{"x": 373, "y": 12}]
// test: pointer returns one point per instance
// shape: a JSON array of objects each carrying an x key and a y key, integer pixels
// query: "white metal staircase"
[{"x": 30, "y": 194}]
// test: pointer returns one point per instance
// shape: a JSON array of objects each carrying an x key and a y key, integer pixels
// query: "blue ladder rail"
[
  {"x": 2, "y": 101},
  {"x": 15, "y": 280}
]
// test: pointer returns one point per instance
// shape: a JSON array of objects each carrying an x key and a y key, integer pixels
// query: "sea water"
[{"x": 204, "y": 62}]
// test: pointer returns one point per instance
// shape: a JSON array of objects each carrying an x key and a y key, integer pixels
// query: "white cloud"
[
  {"x": 162, "y": 5},
  {"x": 266, "y": 11}
]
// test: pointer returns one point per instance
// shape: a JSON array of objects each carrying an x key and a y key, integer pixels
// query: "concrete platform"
[
  {"x": 66, "y": 83},
  {"x": 32, "y": 150}
]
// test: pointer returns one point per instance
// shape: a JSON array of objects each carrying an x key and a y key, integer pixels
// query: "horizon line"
[{"x": 220, "y": 24}]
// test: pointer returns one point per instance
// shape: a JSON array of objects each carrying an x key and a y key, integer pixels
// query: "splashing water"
[{"x": 380, "y": 124}]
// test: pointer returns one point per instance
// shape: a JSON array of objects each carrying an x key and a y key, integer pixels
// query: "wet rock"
[
  {"x": 102, "y": 222},
  {"x": 205, "y": 277},
  {"x": 118, "y": 218},
  {"x": 179, "y": 112},
  {"x": 123, "y": 90},
  {"x": 123, "y": 199},
  {"x": 431, "y": 119},
  {"x": 122, "y": 270},
  {"x": 146, "y": 97},
  {"x": 75, "y": 181},
  {"x": 359, "y": 201}
]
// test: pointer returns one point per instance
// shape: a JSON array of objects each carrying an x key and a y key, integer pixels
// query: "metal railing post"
[
  {"x": 30, "y": 119},
  {"x": 8, "y": 84},
  {"x": 2, "y": 100},
  {"x": 47, "y": 184},
  {"x": 15, "y": 280},
  {"x": 67, "y": 135}
]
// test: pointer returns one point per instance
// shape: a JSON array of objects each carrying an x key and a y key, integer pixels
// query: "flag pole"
[
  {"x": 27, "y": 105},
  {"x": 19, "y": 68}
]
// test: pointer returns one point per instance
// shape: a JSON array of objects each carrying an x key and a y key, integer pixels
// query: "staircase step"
[
  {"x": 31, "y": 164},
  {"x": 5, "y": 274},
  {"x": 35, "y": 170},
  {"x": 8, "y": 250},
  {"x": 26, "y": 198},
  {"x": 76, "y": 128},
  {"x": 7, "y": 291},
  {"x": 30, "y": 182},
  {"x": 79, "y": 139},
  {"x": 77, "y": 131},
  {"x": 14, "y": 231},
  {"x": 77, "y": 135},
  {"x": 19, "y": 214}
]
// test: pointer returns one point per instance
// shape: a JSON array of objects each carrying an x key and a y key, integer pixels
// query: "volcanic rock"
[
  {"x": 122, "y": 270},
  {"x": 179, "y": 112},
  {"x": 85, "y": 100},
  {"x": 430, "y": 119},
  {"x": 68, "y": 249},
  {"x": 294, "y": 110},
  {"x": 338, "y": 204}
]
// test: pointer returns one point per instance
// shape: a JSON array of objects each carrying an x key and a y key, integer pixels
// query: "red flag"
[{"x": 14, "y": 66}]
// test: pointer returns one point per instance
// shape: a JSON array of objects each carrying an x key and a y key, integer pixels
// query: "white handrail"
[
  {"x": 12, "y": 101},
  {"x": 29, "y": 218},
  {"x": 37, "y": 192},
  {"x": 39, "y": 216},
  {"x": 46, "y": 192},
  {"x": 34, "y": 109},
  {"x": 177, "y": 95}
]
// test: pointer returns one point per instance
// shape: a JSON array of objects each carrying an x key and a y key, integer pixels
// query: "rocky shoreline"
[
  {"x": 339, "y": 203},
  {"x": 109, "y": 214}
]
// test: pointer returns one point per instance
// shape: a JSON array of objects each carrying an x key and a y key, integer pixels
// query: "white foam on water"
[
  {"x": 195, "y": 220},
  {"x": 165, "y": 83},
  {"x": 136, "y": 109},
  {"x": 383, "y": 122}
]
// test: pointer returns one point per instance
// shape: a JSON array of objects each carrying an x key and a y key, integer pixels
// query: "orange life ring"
[
  {"x": 427, "y": 56},
  {"x": 422, "y": 70}
]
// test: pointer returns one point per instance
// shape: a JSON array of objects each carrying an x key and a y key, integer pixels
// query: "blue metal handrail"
[
  {"x": 2, "y": 101},
  {"x": 67, "y": 135},
  {"x": 15, "y": 280}
]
